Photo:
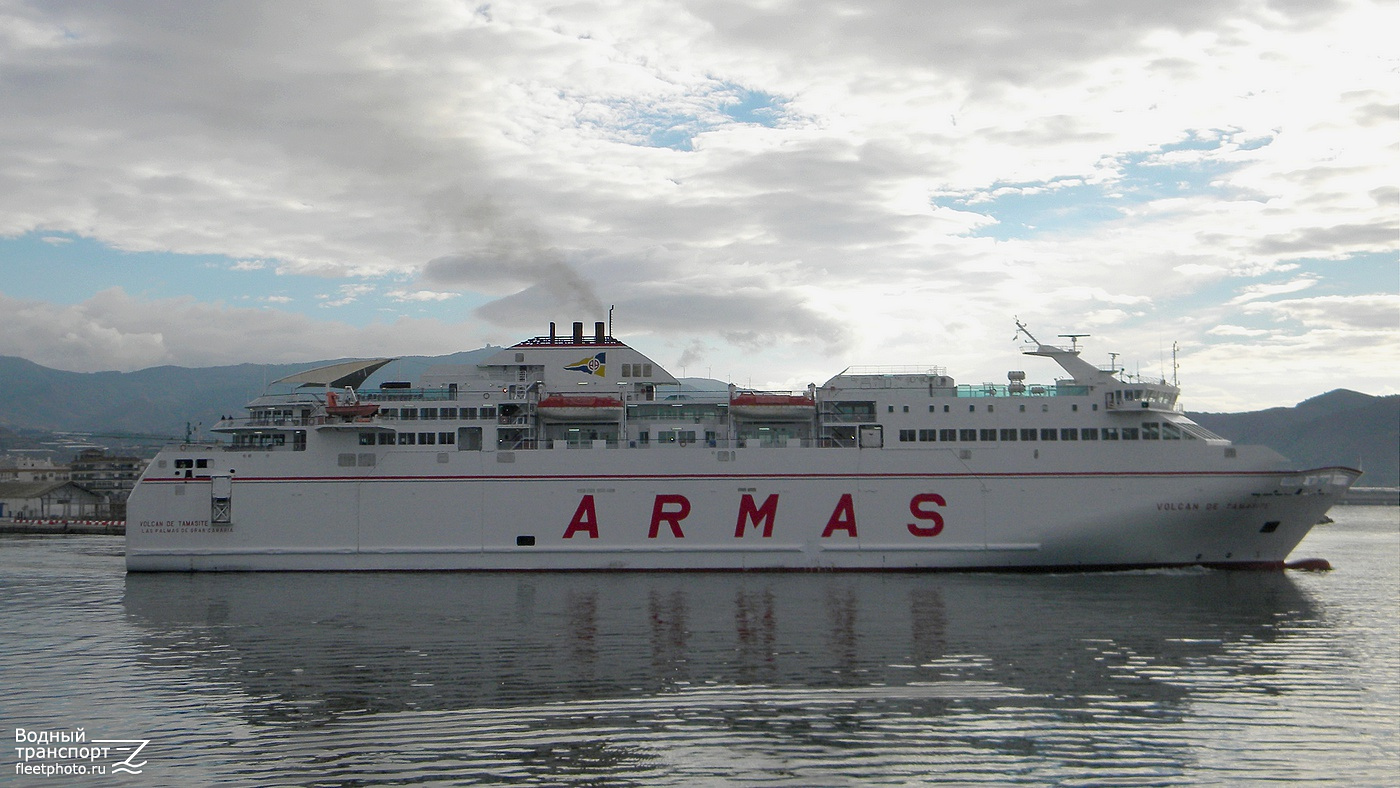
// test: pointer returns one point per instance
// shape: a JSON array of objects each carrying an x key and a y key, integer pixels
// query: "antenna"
[
  {"x": 1021, "y": 329},
  {"x": 610, "y": 309},
  {"x": 1175, "y": 366},
  {"x": 1113, "y": 362}
]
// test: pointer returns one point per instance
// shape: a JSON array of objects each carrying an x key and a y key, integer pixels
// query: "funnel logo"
[{"x": 592, "y": 365}]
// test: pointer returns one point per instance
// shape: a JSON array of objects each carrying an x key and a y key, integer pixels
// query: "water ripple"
[{"x": 1145, "y": 678}]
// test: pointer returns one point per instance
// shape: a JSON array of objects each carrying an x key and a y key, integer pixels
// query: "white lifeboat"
[
  {"x": 562, "y": 407},
  {"x": 772, "y": 407}
]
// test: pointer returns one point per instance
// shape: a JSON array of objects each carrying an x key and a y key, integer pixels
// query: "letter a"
[
  {"x": 757, "y": 514},
  {"x": 843, "y": 517},
  {"x": 585, "y": 520}
]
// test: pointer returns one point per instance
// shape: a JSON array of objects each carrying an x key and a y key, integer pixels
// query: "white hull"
[
  {"x": 506, "y": 467},
  {"x": 680, "y": 508}
]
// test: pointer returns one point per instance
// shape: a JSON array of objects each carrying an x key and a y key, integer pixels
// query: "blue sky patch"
[
  {"x": 756, "y": 107},
  {"x": 1031, "y": 209},
  {"x": 63, "y": 268},
  {"x": 676, "y": 124}
]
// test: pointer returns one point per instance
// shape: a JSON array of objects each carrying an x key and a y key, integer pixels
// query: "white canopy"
[{"x": 346, "y": 373}]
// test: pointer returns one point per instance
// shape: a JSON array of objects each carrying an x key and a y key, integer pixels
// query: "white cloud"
[
  {"x": 1258, "y": 291},
  {"x": 503, "y": 153},
  {"x": 421, "y": 295},
  {"x": 117, "y": 331},
  {"x": 345, "y": 295}
]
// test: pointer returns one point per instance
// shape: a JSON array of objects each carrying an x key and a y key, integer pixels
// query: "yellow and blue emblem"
[{"x": 592, "y": 365}]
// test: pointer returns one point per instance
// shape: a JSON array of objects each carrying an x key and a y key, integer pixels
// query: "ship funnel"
[
  {"x": 598, "y": 332},
  {"x": 578, "y": 333},
  {"x": 551, "y": 332}
]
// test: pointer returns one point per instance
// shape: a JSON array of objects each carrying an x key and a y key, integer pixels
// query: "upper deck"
[{"x": 595, "y": 391}]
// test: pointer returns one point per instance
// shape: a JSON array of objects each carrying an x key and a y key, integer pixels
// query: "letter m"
[{"x": 758, "y": 515}]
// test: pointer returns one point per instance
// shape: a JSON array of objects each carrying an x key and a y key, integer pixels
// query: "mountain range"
[{"x": 132, "y": 412}]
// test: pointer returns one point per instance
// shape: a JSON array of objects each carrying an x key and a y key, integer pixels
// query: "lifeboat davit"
[
  {"x": 772, "y": 407},
  {"x": 559, "y": 407}
]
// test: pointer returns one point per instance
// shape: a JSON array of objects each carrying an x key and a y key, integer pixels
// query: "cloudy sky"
[{"x": 766, "y": 192}]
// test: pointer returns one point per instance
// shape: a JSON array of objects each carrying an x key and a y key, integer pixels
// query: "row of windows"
[
  {"x": 1149, "y": 431},
  {"x": 407, "y": 438},
  {"x": 636, "y": 370},
  {"x": 435, "y": 414},
  {"x": 991, "y": 408}
]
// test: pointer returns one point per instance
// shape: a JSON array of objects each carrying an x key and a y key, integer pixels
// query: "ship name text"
[{"x": 668, "y": 510}]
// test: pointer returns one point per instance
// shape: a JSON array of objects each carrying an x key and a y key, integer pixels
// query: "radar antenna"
[{"x": 1074, "y": 340}]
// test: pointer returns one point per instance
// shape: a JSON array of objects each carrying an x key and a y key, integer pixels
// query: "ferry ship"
[{"x": 578, "y": 452}]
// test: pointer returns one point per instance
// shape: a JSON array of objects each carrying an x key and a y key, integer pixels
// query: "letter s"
[{"x": 916, "y": 508}]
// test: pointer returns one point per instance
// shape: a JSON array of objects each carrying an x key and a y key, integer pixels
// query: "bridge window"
[
  {"x": 1109, "y": 433},
  {"x": 1130, "y": 433}
]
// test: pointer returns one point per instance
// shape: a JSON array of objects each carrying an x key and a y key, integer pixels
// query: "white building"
[
  {"x": 29, "y": 469},
  {"x": 49, "y": 499}
]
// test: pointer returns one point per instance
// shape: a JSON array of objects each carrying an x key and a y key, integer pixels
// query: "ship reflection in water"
[{"x": 648, "y": 679}]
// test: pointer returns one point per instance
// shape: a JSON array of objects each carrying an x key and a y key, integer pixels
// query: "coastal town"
[{"x": 86, "y": 495}]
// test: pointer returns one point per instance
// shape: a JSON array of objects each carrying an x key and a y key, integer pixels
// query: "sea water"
[{"x": 1177, "y": 677}]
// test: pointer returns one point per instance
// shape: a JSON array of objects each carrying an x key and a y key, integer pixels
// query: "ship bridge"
[{"x": 1119, "y": 395}]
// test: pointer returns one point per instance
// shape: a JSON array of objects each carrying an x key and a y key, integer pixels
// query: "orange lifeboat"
[
  {"x": 562, "y": 407},
  {"x": 353, "y": 409},
  {"x": 772, "y": 407}
]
